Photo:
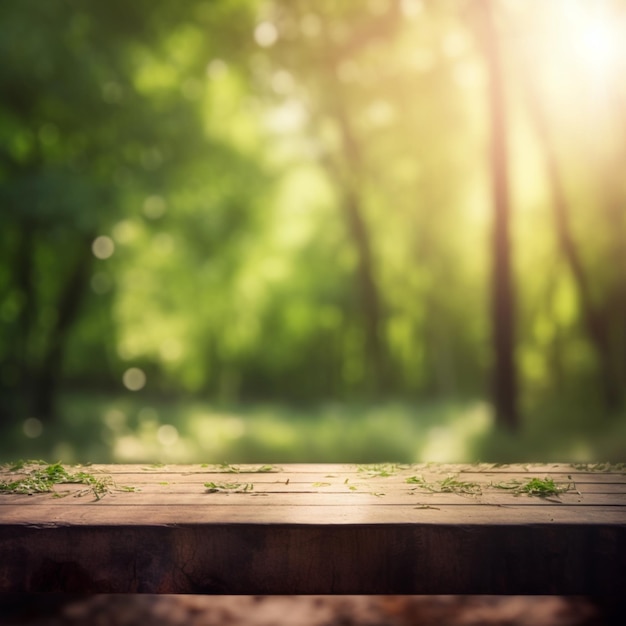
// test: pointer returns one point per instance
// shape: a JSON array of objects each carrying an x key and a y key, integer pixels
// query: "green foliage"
[
  {"x": 381, "y": 437},
  {"x": 294, "y": 201}
]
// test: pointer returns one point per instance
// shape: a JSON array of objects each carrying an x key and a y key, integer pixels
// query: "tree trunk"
[
  {"x": 346, "y": 172},
  {"x": 596, "y": 321},
  {"x": 68, "y": 306},
  {"x": 502, "y": 290},
  {"x": 22, "y": 356},
  {"x": 371, "y": 305}
]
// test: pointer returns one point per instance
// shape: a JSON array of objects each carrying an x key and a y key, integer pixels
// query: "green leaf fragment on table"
[
  {"x": 379, "y": 470},
  {"x": 40, "y": 477},
  {"x": 538, "y": 487},
  {"x": 600, "y": 467},
  {"x": 213, "y": 487},
  {"x": 415, "y": 480},
  {"x": 228, "y": 468},
  {"x": 153, "y": 467},
  {"x": 451, "y": 484},
  {"x": 266, "y": 469}
]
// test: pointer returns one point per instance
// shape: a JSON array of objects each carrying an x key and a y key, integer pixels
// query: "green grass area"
[{"x": 134, "y": 428}]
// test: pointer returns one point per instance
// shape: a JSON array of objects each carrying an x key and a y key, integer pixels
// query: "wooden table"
[{"x": 337, "y": 529}]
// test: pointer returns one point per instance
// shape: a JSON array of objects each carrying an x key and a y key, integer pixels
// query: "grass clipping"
[
  {"x": 31, "y": 477},
  {"x": 537, "y": 487}
]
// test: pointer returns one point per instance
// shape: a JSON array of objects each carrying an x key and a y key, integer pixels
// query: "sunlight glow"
[
  {"x": 598, "y": 46},
  {"x": 575, "y": 55},
  {"x": 594, "y": 36}
]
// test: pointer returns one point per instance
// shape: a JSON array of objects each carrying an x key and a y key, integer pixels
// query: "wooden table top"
[{"x": 313, "y": 528}]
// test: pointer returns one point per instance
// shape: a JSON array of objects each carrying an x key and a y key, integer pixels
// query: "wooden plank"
[
  {"x": 302, "y": 530},
  {"x": 152, "y": 495},
  {"x": 615, "y": 481},
  {"x": 343, "y": 487},
  {"x": 236, "y": 510},
  {"x": 399, "y": 478},
  {"x": 375, "y": 468},
  {"x": 364, "y": 471}
]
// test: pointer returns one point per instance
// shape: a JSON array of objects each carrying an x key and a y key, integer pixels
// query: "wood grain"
[{"x": 319, "y": 529}]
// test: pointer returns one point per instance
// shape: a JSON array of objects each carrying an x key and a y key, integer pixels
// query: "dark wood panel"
[{"x": 283, "y": 558}]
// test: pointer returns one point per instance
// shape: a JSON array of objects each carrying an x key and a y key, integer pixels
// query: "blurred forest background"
[{"x": 285, "y": 230}]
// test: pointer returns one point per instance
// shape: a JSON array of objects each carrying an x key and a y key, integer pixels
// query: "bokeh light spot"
[
  {"x": 282, "y": 82},
  {"x": 266, "y": 34},
  {"x": 167, "y": 435},
  {"x": 154, "y": 207},
  {"x": 411, "y": 8},
  {"x": 126, "y": 231},
  {"x": 103, "y": 247},
  {"x": 216, "y": 68},
  {"x": 115, "y": 419},
  {"x": 32, "y": 428},
  {"x": 134, "y": 379},
  {"x": 381, "y": 113}
]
